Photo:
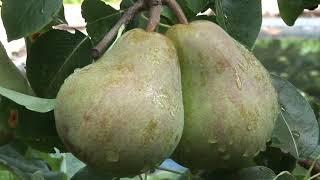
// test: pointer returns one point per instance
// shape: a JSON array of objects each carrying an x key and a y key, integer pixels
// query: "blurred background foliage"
[{"x": 296, "y": 60}]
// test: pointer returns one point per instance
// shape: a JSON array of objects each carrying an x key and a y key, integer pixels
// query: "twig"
[
  {"x": 154, "y": 15},
  {"x": 177, "y": 10},
  {"x": 307, "y": 164},
  {"x": 124, "y": 20}
]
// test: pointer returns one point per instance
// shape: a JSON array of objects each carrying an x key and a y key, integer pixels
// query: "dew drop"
[
  {"x": 295, "y": 134},
  {"x": 249, "y": 127},
  {"x": 238, "y": 80},
  {"x": 76, "y": 70},
  {"x": 112, "y": 156},
  {"x": 242, "y": 67}
]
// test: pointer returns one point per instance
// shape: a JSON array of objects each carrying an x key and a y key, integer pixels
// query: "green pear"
[
  {"x": 230, "y": 104},
  {"x": 10, "y": 78},
  {"x": 124, "y": 114}
]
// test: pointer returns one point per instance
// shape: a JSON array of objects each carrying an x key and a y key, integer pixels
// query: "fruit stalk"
[
  {"x": 154, "y": 15},
  {"x": 177, "y": 10},
  {"x": 124, "y": 20},
  {"x": 154, "y": 7}
]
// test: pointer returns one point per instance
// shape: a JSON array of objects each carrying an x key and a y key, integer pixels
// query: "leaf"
[
  {"x": 283, "y": 137},
  {"x": 100, "y": 18},
  {"x": 30, "y": 102},
  {"x": 22, "y": 18},
  {"x": 86, "y": 173},
  {"x": 53, "y": 57},
  {"x": 275, "y": 159},
  {"x": 284, "y": 176},
  {"x": 290, "y": 10},
  {"x": 38, "y": 130},
  {"x": 25, "y": 168},
  {"x": 310, "y": 4},
  {"x": 299, "y": 119},
  {"x": 254, "y": 173},
  {"x": 242, "y": 19},
  {"x": 71, "y": 165},
  {"x": 195, "y": 6}
]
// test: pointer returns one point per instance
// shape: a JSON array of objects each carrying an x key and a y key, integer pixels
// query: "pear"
[
  {"x": 124, "y": 114},
  {"x": 10, "y": 78},
  {"x": 230, "y": 104}
]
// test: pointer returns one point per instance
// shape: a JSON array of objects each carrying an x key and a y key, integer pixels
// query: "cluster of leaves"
[{"x": 54, "y": 54}]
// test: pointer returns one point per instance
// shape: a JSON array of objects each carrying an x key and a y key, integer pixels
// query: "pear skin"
[
  {"x": 123, "y": 115},
  {"x": 230, "y": 104}
]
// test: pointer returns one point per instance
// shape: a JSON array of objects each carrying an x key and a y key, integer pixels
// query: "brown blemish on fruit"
[
  {"x": 13, "y": 119},
  {"x": 148, "y": 132}
]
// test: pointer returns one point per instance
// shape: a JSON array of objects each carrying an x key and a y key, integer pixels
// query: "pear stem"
[
  {"x": 124, "y": 20},
  {"x": 154, "y": 14},
  {"x": 177, "y": 10}
]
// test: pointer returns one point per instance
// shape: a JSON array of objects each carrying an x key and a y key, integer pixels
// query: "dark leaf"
[
  {"x": 290, "y": 10},
  {"x": 100, "y": 18},
  {"x": 86, "y": 173},
  {"x": 284, "y": 176},
  {"x": 254, "y": 173},
  {"x": 299, "y": 119},
  {"x": 22, "y": 18},
  {"x": 241, "y": 19},
  {"x": 53, "y": 57},
  {"x": 24, "y": 168}
]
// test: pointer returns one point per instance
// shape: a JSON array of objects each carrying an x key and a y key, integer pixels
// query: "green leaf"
[
  {"x": 22, "y": 18},
  {"x": 310, "y": 4},
  {"x": 86, "y": 173},
  {"x": 290, "y": 10},
  {"x": 241, "y": 19},
  {"x": 53, "y": 57},
  {"x": 100, "y": 18},
  {"x": 30, "y": 102},
  {"x": 254, "y": 173},
  {"x": 195, "y": 6},
  {"x": 284, "y": 176},
  {"x": 300, "y": 121},
  {"x": 38, "y": 130},
  {"x": 26, "y": 168}
]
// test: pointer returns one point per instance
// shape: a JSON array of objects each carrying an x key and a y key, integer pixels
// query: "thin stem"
[
  {"x": 314, "y": 176},
  {"x": 124, "y": 20},
  {"x": 154, "y": 15},
  {"x": 177, "y": 10},
  {"x": 169, "y": 170}
]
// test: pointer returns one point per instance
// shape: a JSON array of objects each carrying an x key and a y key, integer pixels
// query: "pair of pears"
[{"x": 194, "y": 92}]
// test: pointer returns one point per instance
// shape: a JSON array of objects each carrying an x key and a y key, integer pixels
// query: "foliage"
[{"x": 55, "y": 54}]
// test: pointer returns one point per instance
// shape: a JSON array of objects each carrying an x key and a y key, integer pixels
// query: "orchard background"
[{"x": 290, "y": 50}]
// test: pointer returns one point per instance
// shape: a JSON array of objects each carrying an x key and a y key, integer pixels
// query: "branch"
[
  {"x": 177, "y": 10},
  {"x": 154, "y": 15},
  {"x": 124, "y": 20}
]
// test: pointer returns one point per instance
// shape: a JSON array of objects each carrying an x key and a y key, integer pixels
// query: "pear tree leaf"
[
  {"x": 253, "y": 173},
  {"x": 242, "y": 19},
  {"x": 290, "y": 10},
  {"x": 22, "y": 18},
  {"x": 284, "y": 176},
  {"x": 26, "y": 168},
  {"x": 53, "y": 57},
  {"x": 297, "y": 118},
  {"x": 100, "y": 18},
  {"x": 30, "y": 102}
]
